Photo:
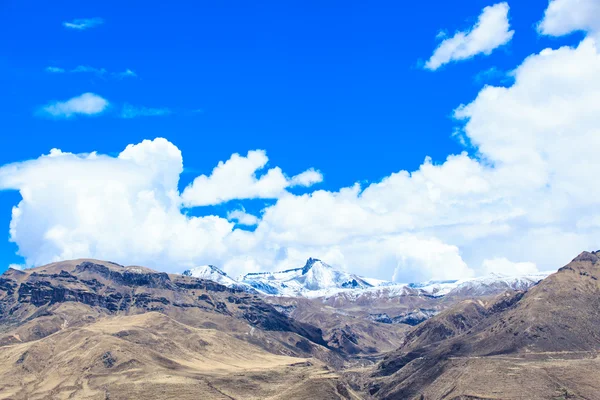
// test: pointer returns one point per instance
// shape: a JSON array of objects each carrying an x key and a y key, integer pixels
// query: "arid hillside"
[
  {"x": 89, "y": 329},
  {"x": 542, "y": 344}
]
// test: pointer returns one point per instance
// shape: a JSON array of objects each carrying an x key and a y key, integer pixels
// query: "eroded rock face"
[
  {"x": 110, "y": 288},
  {"x": 41, "y": 289},
  {"x": 266, "y": 317},
  {"x": 410, "y": 318},
  {"x": 125, "y": 277}
]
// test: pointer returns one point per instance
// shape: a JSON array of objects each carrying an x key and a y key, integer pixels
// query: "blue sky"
[{"x": 336, "y": 86}]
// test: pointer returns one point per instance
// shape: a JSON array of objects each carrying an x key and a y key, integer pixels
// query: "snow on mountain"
[
  {"x": 320, "y": 280},
  {"x": 491, "y": 284},
  {"x": 315, "y": 279},
  {"x": 212, "y": 273},
  {"x": 474, "y": 287}
]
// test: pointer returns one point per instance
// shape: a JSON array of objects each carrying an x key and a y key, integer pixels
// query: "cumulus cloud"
[
  {"x": 127, "y": 208},
  {"x": 129, "y": 111},
  {"x": 526, "y": 200},
  {"x": 566, "y": 16},
  {"x": 83, "y": 23},
  {"x": 491, "y": 31},
  {"x": 109, "y": 207},
  {"x": 237, "y": 178},
  {"x": 85, "y": 104},
  {"x": 528, "y": 195}
]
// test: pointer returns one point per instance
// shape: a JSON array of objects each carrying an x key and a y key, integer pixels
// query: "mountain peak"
[
  {"x": 203, "y": 270},
  {"x": 592, "y": 257},
  {"x": 316, "y": 278},
  {"x": 309, "y": 264}
]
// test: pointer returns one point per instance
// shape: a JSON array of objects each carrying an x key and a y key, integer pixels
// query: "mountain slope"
[
  {"x": 93, "y": 329},
  {"x": 109, "y": 289},
  {"x": 152, "y": 356},
  {"x": 556, "y": 320},
  {"x": 482, "y": 286}
]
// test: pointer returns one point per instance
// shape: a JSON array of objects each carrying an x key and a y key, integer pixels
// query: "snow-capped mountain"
[
  {"x": 493, "y": 283},
  {"x": 474, "y": 287},
  {"x": 315, "y": 279},
  {"x": 212, "y": 273},
  {"x": 320, "y": 280}
]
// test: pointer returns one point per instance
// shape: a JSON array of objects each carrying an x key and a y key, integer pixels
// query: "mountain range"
[
  {"x": 98, "y": 330},
  {"x": 316, "y": 279}
]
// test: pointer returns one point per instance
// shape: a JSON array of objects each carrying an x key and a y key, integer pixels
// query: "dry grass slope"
[
  {"x": 151, "y": 356},
  {"x": 542, "y": 345},
  {"x": 87, "y": 329}
]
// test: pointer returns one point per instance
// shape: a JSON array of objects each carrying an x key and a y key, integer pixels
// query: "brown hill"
[
  {"x": 98, "y": 330},
  {"x": 540, "y": 345}
]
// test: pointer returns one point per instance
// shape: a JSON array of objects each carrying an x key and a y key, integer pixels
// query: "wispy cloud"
[
  {"x": 128, "y": 73},
  {"x": 129, "y": 111},
  {"x": 55, "y": 70},
  {"x": 85, "y": 68},
  {"x": 490, "y": 74},
  {"x": 494, "y": 76},
  {"x": 85, "y": 104},
  {"x": 83, "y": 23}
]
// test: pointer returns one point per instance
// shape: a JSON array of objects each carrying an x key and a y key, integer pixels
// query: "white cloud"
[
  {"x": 236, "y": 179},
  {"x": 129, "y": 111},
  {"x": 307, "y": 178},
  {"x": 529, "y": 194},
  {"x": 491, "y": 74},
  {"x": 506, "y": 267},
  {"x": 85, "y": 104},
  {"x": 18, "y": 267},
  {"x": 55, "y": 70},
  {"x": 124, "y": 207},
  {"x": 242, "y": 217},
  {"x": 83, "y": 23},
  {"x": 491, "y": 31},
  {"x": 87, "y": 69},
  {"x": 565, "y": 16},
  {"x": 126, "y": 74}
]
